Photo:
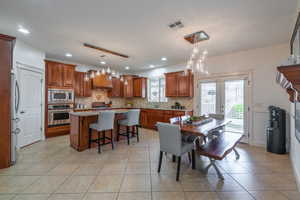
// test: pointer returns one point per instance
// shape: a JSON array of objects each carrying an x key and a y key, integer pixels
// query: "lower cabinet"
[{"x": 149, "y": 117}]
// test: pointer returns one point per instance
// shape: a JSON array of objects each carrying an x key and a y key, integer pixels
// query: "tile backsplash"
[{"x": 101, "y": 95}]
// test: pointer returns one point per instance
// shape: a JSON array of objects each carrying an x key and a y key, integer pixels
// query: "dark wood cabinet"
[
  {"x": 117, "y": 88},
  {"x": 6, "y": 57},
  {"x": 68, "y": 75},
  {"x": 128, "y": 86},
  {"x": 140, "y": 87},
  {"x": 179, "y": 84},
  {"x": 171, "y": 84},
  {"x": 102, "y": 82},
  {"x": 149, "y": 117},
  {"x": 59, "y": 75},
  {"x": 82, "y": 88}
]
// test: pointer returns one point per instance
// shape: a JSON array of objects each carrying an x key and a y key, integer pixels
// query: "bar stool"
[
  {"x": 132, "y": 120},
  {"x": 105, "y": 123}
]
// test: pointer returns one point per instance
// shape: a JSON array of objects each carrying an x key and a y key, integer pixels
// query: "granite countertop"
[
  {"x": 110, "y": 108},
  {"x": 93, "y": 113}
]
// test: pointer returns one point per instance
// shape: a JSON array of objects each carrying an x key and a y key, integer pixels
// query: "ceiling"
[{"x": 139, "y": 28}]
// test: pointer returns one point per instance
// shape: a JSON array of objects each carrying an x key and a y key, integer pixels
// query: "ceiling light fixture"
[
  {"x": 23, "y": 30},
  {"x": 164, "y": 59},
  {"x": 68, "y": 55},
  {"x": 103, "y": 62},
  {"x": 127, "y": 67},
  {"x": 151, "y": 66}
]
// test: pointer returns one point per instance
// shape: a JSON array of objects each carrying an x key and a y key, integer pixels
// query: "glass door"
[{"x": 227, "y": 96}]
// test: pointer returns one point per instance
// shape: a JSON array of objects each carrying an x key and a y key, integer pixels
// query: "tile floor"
[{"x": 52, "y": 170}]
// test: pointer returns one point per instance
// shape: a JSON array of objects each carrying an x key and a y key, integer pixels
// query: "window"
[{"x": 156, "y": 90}]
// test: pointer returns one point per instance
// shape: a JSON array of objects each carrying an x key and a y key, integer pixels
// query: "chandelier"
[
  {"x": 102, "y": 71},
  {"x": 197, "y": 59}
]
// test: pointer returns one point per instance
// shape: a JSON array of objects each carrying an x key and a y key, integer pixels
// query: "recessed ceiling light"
[
  {"x": 68, "y": 55},
  {"x": 23, "y": 30},
  {"x": 151, "y": 66},
  {"x": 103, "y": 62},
  {"x": 127, "y": 67},
  {"x": 164, "y": 59}
]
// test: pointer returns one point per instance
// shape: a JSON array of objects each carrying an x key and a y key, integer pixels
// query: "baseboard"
[{"x": 296, "y": 174}]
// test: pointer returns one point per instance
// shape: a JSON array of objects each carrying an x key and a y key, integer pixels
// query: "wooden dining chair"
[{"x": 170, "y": 142}]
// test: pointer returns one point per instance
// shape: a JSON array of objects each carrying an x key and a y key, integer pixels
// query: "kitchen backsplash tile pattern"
[
  {"x": 143, "y": 103},
  {"x": 101, "y": 95}
]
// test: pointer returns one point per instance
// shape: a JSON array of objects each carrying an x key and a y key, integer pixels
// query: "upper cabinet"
[
  {"x": 179, "y": 84},
  {"x": 117, "y": 88},
  {"x": 140, "y": 87},
  {"x": 128, "y": 86},
  {"x": 102, "y": 81},
  {"x": 83, "y": 88},
  {"x": 59, "y": 75}
]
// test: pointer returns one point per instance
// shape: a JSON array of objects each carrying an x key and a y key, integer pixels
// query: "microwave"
[{"x": 60, "y": 96}]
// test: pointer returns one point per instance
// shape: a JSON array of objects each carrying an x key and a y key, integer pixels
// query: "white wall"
[
  {"x": 32, "y": 59},
  {"x": 261, "y": 63},
  {"x": 295, "y": 147}
]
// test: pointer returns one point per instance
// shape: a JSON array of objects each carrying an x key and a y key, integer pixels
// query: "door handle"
[
  {"x": 22, "y": 112},
  {"x": 17, "y": 97},
  {"x": 17, "y": 131}
]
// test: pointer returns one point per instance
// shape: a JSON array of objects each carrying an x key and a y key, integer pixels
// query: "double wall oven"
[{"x": 60, "y": 104}]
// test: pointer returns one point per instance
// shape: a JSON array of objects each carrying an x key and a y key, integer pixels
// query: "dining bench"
[{"x": 219, "y": 147}]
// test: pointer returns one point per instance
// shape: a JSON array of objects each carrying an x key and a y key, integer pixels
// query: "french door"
[{"x": 227, "y": 96}]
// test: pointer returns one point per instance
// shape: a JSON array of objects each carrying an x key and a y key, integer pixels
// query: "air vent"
[
  {"x": 176, "y": 25},
  {"x": 197, "y": 37}
]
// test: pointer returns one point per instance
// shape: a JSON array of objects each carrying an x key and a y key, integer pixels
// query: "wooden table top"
[{"x": 203, "y": 129}]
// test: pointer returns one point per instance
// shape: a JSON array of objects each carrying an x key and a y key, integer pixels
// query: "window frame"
[{"x": 161, "y": 99}]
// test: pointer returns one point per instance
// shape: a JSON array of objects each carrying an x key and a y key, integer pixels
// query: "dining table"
[{"x": 203, "y": 131}]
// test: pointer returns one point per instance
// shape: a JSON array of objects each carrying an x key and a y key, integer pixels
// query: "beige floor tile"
[
  {"x": 107, "y": 183},
  {"x": 32, "y": 197},
  {"x": 113, "y": 168},
  {"x": 291, "y": 195},
  {"x": 201, "y": 196},
  {"x": 15, "y": 184},
  {"x": 228, "y": 184},
  {"x": 76, "y": 184},
  {"x": 6, "y": 196},
  {"x": 268, "y": 195},
  {"x": 88, "y": 169},
  {"x": 45, "y": 184},
  {"x": 66, "y": 197},
  {"x": 136, "y": 183},
  {"x": 195, "y": 183},
  {"x": 168, "y": 196},
  {"x": 134, "y": 196},
  {"x": 235, "y": 196},
  {"x": 100, "y": 196},
  {"x": 138, "y": 168},
  {"x": 163, "y": 182},
  {"x": 64, "y": 169}
]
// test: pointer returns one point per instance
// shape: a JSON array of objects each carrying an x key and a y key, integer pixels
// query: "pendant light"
[
  {"x": 108, "y": 70},
  {"x": 92, "y": 74},
  {"x": 86, "y": 77},
  {"x": 98, "y": 73},
  {"x": 103, "y": 71}
]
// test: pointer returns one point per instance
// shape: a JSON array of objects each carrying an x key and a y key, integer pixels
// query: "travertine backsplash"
[
  {"x": 143, "y": 103},
  {"x": 101, "y": 95}
]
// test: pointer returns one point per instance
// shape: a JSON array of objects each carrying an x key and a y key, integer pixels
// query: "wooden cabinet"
[
  {"x": 83, "y": 88},
  {"x": 178, "y": 84},
  {"x": 117, "y": 88},
  {"x": 59, "y": 75},
  {"x": 102, "y": 81},
  {"x": 149, "y": 117},
  {"x": 140, "y": 87},
  {"x": 6, "y": 63},
  {"x": 128, "y": 86},
  {"x": 68, "y": 75},
  {"x": 171, "y": 85}
]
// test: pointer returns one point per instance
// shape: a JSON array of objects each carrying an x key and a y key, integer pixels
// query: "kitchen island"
[{"x": 80, "y": 122}]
